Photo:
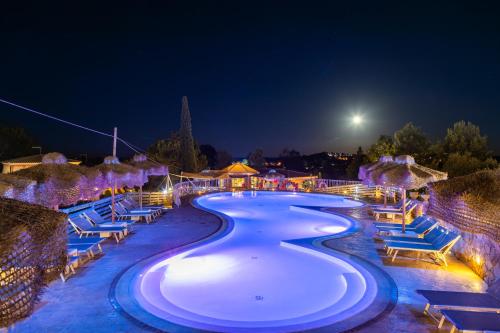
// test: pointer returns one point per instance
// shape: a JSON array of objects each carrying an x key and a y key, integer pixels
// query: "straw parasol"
[
  {"x": 366, "y": 169},
  {"x": 58, "y": 182},
  {"x": 403, "y": 173},
  {"x": 118, "y": 174},
  {"x": 148, "y": 168}
]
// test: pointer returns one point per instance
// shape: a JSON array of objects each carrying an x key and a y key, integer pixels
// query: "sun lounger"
[
  {"x": 471, "y": 320},
  {"x": 438, "y": 248},
  {"x": 398, "y": 226},
  {"x": 84, "y": 228},
  {"x": 461, "y": 301},
  {"x": 133, "y": 209},
  {"x": 397, "y": 206},
  {"x": 129, "y": 203},
  {"x": 414, "y": 237},
  {"x": 94, "y": 242},
  {"x": 69, "y": 269},
  {"x": 394, "y": 212},
  {"x": 418, "y": 232},
  {"x": 122, "y": 213},
  {"x": 438, "y": 299},
  {"x": 97, "y": 220}
]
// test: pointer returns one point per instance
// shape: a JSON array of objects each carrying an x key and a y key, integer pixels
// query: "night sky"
[{"x": 257, "y": 74}]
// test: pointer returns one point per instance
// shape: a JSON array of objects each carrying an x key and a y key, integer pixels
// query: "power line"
[
  {"x": 134, "y": 148},
  {"x": 129, "y": 145},
  {"x": 54, "y": 118}
]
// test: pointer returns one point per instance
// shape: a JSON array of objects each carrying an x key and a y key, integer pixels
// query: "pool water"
[{"x": 253, "y": 279}]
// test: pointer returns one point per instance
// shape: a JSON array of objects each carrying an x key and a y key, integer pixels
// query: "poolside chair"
[
  {"x": 438, "y": 248},
  {"x": 398, "y": 226},
  {"x": 418, "y": 232},
  {"x": 97, "y": 220},
  {"x": 131, "y": 208},
  {"x": 473, "y": 303},
  {"x": 394, "y": 212},
  {"x": 122, "y": 213},
  {"x": 471, "y": 320},
  {"x": 132, "y": 204},
  {"x": 429, "y": 232},
  {"x": 84, "y": 228},
  {"x": 397, "y": 206},
  {"x": 69, "y": 269},
  {"x": 86, "y": 245}
]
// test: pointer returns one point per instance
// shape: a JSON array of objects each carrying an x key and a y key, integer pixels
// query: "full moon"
[{"x": 356, "y": 120}]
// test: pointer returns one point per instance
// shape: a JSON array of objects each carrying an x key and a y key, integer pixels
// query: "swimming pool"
[{"x": 266, "y": 273}]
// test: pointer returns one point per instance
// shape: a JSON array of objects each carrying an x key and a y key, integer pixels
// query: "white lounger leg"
[
  {"x": 395, "y": 254},
  {"x": 441, "y": 321}
]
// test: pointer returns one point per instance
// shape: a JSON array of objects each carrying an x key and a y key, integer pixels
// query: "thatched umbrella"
[
  {"x": 366, "y": 169},
  {"x": 148, "y": 168},
  {"x": 405, "y": 174},
  {"x": 118, "y": 174},
  {"x": 58, "y": 182},
  {"x": 15, "y": 187}
]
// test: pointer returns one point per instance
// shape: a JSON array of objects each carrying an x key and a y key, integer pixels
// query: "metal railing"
[{"x": 343, "y": 187}]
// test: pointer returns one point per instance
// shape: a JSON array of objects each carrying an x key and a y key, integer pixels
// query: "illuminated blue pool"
[{"x": 267, "y": 272}]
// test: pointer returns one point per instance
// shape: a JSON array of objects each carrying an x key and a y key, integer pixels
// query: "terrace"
[{"x": 91, "y": 300}]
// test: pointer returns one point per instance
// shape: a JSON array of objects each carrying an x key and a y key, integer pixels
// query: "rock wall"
[{"x": 478, "y": 225}]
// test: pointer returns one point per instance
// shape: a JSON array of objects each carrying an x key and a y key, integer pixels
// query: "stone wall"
[{"x": 478, "y": 224}]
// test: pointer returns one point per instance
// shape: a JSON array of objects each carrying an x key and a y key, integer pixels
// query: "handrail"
[{"x": 347, "y": 187}]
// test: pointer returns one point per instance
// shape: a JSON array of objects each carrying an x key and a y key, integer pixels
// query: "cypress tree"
[{"x": 188, "y": 155}]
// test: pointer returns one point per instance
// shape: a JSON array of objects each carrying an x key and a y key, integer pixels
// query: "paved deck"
[{"x": 81, "y": 304}]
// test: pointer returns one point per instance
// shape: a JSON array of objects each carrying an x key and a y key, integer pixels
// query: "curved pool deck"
[{"x": 266, "y": 269}]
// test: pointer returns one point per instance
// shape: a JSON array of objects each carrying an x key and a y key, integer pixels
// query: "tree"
[
  {"x": 210, "y": 154},
  {"x": 168, "y": 151},
  {"x": 465, "y": 138},
  {"x": 188, "y": 154},
  {"x": 463, "y": 164},
  {"x": 256, "y": 158},
  {"x": 358, "y": 160},
  {"x": 384, "y": 146},
  {"x": 15, "y": 142},
  {"x": 223, "y": 159},
  {"x": 289, "y": 153},
  {"x": 410, "y": 140}
]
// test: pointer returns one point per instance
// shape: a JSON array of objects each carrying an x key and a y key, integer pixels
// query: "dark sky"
[{"x": 257, "y": 74}]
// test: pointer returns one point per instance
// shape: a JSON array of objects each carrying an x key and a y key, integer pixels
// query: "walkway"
[{"x": 81, "y": 304}]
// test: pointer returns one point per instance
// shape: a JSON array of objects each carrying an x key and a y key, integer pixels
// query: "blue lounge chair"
[
  {"x": 131, "y": 208},
  {"x": 439, "y": 247},
  {"x": 130, "y": 204},
  {"x": 399, "y": 226},
  {"x": 83, "y": 228},
  {"x": 434, "y": 232},
  {"x": 69, "y": 269},
  {"x": 97, "y": 220},
  {"x": 122, "y": 213},
  {"x": 89, "y": 242},
  {"x": 397, "y": 206},
  {"x": 472, "y": 320},
  {"x": 457, "y": 300},
  {"x": 394, "y": 212},
  {"x": 418, "y": 232}
]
